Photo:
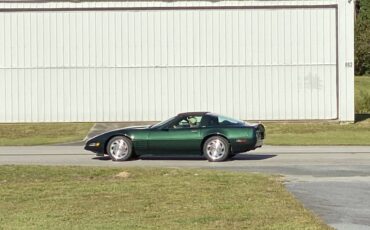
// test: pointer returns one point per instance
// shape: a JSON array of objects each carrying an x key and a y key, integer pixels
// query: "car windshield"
[{"x": 163, "y": 122}]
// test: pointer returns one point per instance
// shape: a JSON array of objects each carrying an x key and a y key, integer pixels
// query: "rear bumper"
[
  {"x": 259, "y": 143},
  {"x": 250, "y": 144},
  {"x": 260, "y": 135}
]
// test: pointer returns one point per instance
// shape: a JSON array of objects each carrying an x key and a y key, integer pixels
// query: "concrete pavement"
[{"x": 333, "y": 181}]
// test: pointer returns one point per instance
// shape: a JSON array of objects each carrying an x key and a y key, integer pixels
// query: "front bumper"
[{"x": 95, "y": 147}]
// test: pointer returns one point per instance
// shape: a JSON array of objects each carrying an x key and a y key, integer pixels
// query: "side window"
[
  {"x": 210, "y": 121},
  {"x": 187, "y": 122}
]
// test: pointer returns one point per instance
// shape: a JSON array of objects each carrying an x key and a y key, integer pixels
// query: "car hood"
[
  {"x": 135, "y": 127},
  {"x": 128, "y": 128},
  {"x": 118, "y": 131}
]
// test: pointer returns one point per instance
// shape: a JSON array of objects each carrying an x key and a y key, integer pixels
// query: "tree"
[{"x": 362, "y": 38}]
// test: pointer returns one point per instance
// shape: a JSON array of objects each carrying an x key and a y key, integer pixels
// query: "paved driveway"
[{"x": 334, "y": 182}]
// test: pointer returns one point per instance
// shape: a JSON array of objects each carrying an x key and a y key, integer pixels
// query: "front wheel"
[
  {"x": 216, "y": 149},
  {"x": 119, "y": 148}
]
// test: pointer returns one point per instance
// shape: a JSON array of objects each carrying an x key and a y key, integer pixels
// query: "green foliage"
[
  {"x": 363, "y": 103},
  {"x": 362, "y": 95},
  {"x": 362, "y": 39}
]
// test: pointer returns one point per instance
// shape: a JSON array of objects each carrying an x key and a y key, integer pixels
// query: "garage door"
[{"x": 147, "y": 64}]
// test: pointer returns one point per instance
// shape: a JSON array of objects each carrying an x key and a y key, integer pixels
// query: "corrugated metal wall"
[{"x": 132, "y": 65}]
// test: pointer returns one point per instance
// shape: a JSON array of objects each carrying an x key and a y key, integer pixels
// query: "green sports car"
[{"x": 216, "y": 137}]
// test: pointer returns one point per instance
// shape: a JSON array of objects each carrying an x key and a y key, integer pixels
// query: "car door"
[{"x": 180, "y": 137}]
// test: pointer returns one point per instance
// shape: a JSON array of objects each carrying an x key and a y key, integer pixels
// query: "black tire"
[
  {"x": 134, "y": 156},
  {"x": 222, "y": 151},
  {"x": 125, "y": 148},
  {"x": 231, "y": 155}
]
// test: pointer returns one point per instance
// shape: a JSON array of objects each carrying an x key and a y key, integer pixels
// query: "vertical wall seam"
[
  {"x": 337, "y": 62},
  {"x": 18, "y": 71},
  {"x": 11, "y": 65}
]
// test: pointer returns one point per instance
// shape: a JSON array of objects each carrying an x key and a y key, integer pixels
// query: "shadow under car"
[{"x": 238, "y": 157}]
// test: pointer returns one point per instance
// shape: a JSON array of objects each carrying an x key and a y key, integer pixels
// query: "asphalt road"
[{"x": 334, "y": 181}]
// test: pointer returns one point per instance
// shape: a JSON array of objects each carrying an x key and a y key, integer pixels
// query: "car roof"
[{"x": 192, "y": 114}]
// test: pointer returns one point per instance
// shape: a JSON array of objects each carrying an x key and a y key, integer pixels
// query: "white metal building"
[{"x": 148, "y": 60}]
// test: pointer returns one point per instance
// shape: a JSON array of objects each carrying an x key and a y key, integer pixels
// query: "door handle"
[{"x": 194, "y": 131}]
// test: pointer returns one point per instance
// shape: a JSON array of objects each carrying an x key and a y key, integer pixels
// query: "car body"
[{"x": 185, "y": 133}]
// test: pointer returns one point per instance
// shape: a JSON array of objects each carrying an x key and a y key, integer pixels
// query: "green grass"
[
  {"x": 40, "y": 197},
  {"x": 42, "y": 133},
  {"x": 318, "y": 133}
]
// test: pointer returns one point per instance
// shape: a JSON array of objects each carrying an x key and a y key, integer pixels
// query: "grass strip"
[
  {"x": 324, "y": 133},
  {"x": 44, "y": 197},
  {"x": 42, "y": 133}
]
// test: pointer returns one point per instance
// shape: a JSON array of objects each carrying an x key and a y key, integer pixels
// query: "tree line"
[{"x": 362, "y": 38}]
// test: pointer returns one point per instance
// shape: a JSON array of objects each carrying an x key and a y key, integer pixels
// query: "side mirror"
[{"x": 165, "y": 129}]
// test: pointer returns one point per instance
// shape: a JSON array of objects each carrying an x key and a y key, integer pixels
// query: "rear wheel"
[
  {"x": 216, "y": 149},
  {"x": 119, "y": 148}
]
